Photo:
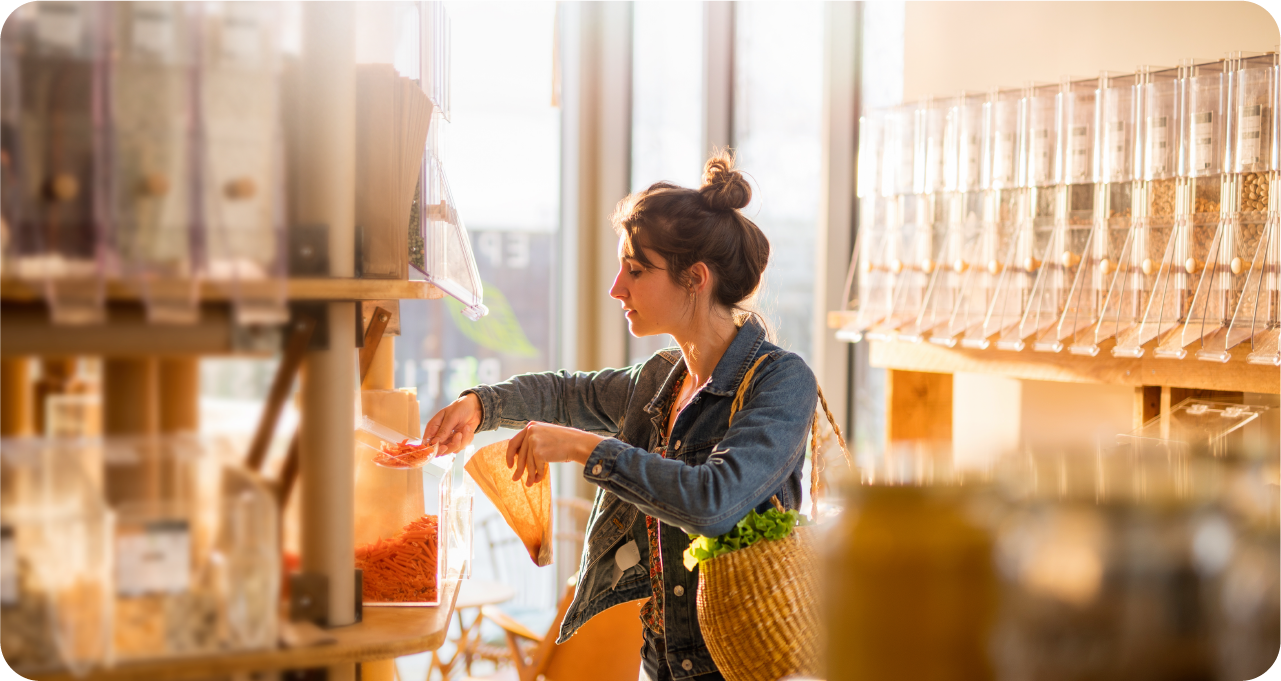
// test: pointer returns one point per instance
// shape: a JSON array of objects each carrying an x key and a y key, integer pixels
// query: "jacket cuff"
[
  {"x": 600, "y": 465},
  {"x": 489, "y": 406}
]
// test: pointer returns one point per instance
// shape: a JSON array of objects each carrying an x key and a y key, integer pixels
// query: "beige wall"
[{"x": 954, "y": 46}]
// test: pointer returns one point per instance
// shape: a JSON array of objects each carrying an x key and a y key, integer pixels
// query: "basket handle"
[{"x": 816, "y": 470}]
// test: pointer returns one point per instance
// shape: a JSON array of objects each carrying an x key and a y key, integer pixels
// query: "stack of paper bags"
[
  {"x": 392, "y": 117},
  {"x": 527, "y": 510}
]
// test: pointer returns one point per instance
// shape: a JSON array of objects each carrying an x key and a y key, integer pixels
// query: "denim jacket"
[{"x": 714, "y": 475}]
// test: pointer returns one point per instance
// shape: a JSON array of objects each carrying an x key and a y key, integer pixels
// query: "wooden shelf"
[
  {"x": 1235, "y": 375},
  {"x": 386, "y": 632},
  {"x": 13, "y": 290}
]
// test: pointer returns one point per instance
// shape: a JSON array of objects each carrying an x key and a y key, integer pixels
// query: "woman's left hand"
[{"x": 538, "y": 444}]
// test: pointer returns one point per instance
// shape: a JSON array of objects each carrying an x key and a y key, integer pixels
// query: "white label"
[
  {"x": 1202, "y": 140},
  {"x": 1158, "y": 145},
  {"x": 240, "y": 39},
  {"x": 1250, "y": 135},
  {"x": 152, "y": 30},
  {"x": 153, "y": 559},
  {"x": 1116, "y": 147},
  {"x": 1040, "y": 156},
  {"x": 1003, "y": 172},
  {"x": 973, "y": 149},
  {"x": 1079, "y": 156},
  {"x": 8, "y": 567},
  {"x": 627, "y": 556},
  {"x": 60, "y": 25}
]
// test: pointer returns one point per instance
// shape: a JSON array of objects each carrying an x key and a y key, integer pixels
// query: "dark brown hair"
[{"x": 687, "y": 226}]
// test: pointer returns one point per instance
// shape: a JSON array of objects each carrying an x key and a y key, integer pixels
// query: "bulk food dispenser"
[
  {"x": 59, "y": 240},
  {"x": 241, "y": 165},
  {"x": 913, "y": 261},
  {"x": 1250, "y": 162},
  {"x": 1154, "y": 204},
  {"x": 1203, "y": 90},
  {"x": 1258, "y": 314},
  {"x": 871, "y": 223},
  {"x": 962, "y": 202},
  {"x": 1115, "y": 161},
  {"x": 1076, "y": 195},
  {"x": 981, "y": 266},
  {"x": 1034, "y": 223},
  {"x": 149, "y": 103}
]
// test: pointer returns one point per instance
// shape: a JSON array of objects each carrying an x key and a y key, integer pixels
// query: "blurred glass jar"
[
  {"x": 909, "y": 586},
  {"x": 1098, "y": 570}
]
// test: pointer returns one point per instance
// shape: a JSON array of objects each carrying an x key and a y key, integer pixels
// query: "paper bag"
[{"x": 528, "y": 510}]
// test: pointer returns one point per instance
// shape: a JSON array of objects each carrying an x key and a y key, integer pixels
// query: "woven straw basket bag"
[{"x": 758, "y": 607}]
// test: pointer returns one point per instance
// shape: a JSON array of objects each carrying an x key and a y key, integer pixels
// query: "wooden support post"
[
  {"x": 16, "y": 417},
  {"x": 179, "y": 395},
  {"x": 130, "y": 396},
  {"x": 919, "y": 406}
]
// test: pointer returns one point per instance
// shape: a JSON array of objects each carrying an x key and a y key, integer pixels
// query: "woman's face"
[{"x": 653, "y": 303}]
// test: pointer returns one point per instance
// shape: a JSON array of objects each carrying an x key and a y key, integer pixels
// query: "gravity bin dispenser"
[
  {"x": 913, "y": 261},
  {"x": 1002, "y": 196},
  {"x": 1077, "y": 194},
  {"x": 1035, "y": 221},
  {"x": 1116, "y": 156},
  {"x": 1154, "y": 217}
]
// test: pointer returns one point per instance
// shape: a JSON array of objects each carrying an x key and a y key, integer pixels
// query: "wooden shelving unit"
[
  {"x": 383, "y": 633},
  {"x": 16, "y": 291}
]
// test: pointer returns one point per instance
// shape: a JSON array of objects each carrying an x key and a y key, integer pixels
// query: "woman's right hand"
[{"x": 454, "y": 426}]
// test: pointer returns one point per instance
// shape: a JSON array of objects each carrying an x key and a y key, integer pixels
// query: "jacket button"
[
  {"x": 678, "y": 445},
  {"x": 596, "y": 469},
  {"x": 679, "y": 590},
  {"x": 687, "y": 665}
]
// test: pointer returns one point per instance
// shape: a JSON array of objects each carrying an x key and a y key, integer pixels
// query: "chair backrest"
[
  {"x": 535, "y": 588},
  {"x": 607, "y": 648}
]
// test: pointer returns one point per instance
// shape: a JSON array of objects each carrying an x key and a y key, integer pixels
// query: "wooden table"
[{"x": 385, "y": 632}]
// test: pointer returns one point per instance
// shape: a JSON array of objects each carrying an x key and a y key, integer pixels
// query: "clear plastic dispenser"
[
  {"x": 1246, "y": 184},
  {"x": 1116, "y": 156},
  {"x": 435, "y": 55},
  {"x": 963, "y": 197},
  {"x": 197, "y": 560},
  {"x": 151, "y": 151},
  {"x": 405, "y": 524},
  {"x": 915, "y": 249},
  {"x": 1034, "y": 220},
  {"x": 869, "y": 243},
  {"x": 59, "y": 241},
  {"x": 1257, "y": 317},
  {"x": 1155, "y": 205},
  {"x": 1076, "y": 196},
  {"x": 1002, "y": 195},
  {"x": 1204, "y": 179},
  {"x": 447, "y": 258},
  {"x": 1194, "y": 426},
  {"x": 55, "y": 562},
  {"x": 241, "y": 157}
]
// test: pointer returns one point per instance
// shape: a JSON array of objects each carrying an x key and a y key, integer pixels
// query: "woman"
[{"x": 655, "y": 437}]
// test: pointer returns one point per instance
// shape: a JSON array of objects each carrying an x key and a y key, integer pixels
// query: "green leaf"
[{"x": 499, "y": 330}]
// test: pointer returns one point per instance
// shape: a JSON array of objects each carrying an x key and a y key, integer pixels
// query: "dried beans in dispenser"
[
  {"x": 1034, "y": 221},
  {"x": 1116, "y": 157},
  {"x": 1155, "y": 212},
  {"x": 980, "y": 265},
  {"x": 1199, "y": 210},
  {"x": 1245, "y": 211}
]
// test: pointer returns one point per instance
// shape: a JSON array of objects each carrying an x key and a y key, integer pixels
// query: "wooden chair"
[{"x": 605, "y": 649}]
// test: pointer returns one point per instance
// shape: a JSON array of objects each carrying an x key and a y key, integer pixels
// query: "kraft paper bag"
[{"x": 527, "y": 510}]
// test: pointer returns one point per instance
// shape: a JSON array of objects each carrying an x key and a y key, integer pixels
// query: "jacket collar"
[{"x": 729, "y": 370}]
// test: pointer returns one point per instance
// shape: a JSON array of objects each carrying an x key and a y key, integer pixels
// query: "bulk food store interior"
[{"x": 1030, "y": 252}]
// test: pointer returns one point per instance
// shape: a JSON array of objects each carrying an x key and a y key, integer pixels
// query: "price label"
[
  {"x": 972, "y": 150},
  {"x": 153, "y": 27},
  {"x": 1116, "y": 148},
  {"x": 1003, "y": 163},
  {"x": 8, "y": 567},
  {"x": 1203, "y": 140},
  {"x": 241, "y": 39},
  {"x": 153, "y": 558},
  {"x": 1079, "y": 156},
  {"x": 1158, "y": 145},
  {"x": 1250, "y": 135},
  {"x": 1040, "y": 156},
  {"x": 60, "y": 25}
]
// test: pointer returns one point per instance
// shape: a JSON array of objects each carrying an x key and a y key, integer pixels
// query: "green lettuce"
[{"x": 773, "y": 524}]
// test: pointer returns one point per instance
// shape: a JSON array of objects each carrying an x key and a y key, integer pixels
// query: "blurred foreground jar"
[{"x": 911, "y": 592}]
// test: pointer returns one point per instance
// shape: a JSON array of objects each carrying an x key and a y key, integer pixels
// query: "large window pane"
[{"x": 778, "y": 100}]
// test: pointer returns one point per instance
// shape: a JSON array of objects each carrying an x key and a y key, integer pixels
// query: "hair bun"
[{"x": 723, "y": 187}]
